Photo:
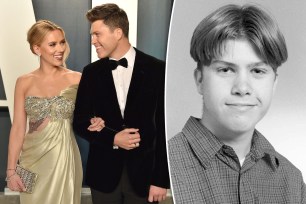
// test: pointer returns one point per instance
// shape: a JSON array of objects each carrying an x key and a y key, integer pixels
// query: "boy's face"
[{"x": 237, "y": 89}]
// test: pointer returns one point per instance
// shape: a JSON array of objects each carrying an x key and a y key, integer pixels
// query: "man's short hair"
[
  {"x": 238, "y": 22},
  {"x": 112, "y": 16}
]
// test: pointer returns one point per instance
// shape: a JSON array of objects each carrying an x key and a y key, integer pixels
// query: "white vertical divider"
[
  {"x": 130, "y": 7},
  {"x": 16, "y": 58}
]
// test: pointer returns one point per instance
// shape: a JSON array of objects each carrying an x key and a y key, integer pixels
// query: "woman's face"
[{"x": 52, "y": 48}]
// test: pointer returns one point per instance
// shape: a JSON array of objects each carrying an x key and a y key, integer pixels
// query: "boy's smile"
[{"x": 237, "y": 89}]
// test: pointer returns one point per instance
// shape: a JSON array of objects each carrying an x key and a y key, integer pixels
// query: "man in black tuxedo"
[{"x": 120, "y": 111}]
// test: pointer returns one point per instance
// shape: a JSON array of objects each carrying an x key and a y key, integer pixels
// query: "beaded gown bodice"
[{"x": 52, "y": 108}]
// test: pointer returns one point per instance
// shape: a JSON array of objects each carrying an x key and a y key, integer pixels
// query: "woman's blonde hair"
[{"x": 38, "y": 32}]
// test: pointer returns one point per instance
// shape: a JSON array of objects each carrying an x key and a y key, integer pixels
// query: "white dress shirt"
[{"x": 122, "y": 78}]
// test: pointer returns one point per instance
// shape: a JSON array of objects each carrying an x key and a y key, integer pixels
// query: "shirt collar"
[
  {"x": 130, "y": 56},
  {"x": 261, "y": 147},
  {"x": 206, "y": 145}
]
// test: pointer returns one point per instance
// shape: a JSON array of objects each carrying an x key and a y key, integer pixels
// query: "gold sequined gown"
[{"x": 51, "y": 151}]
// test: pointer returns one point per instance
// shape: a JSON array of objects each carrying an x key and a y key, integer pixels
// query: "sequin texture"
[{"x": 53, "y": 108}]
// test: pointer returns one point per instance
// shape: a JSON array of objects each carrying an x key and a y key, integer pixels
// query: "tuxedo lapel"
[
  {"x": 106, "y": 83},
  {"x": 136, "y": 81}
]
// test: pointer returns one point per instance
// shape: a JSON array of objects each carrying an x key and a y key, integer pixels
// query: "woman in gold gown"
[{"x": 45, "y": 97}]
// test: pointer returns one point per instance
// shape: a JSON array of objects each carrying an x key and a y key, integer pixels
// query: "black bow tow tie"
[{"x": 113, "y": 64}]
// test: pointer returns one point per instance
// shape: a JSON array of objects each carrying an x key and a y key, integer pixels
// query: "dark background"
[{"x": 152, "y": 34}]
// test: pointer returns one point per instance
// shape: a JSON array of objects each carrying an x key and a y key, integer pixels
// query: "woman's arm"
[{"x": 16, "y": 139}]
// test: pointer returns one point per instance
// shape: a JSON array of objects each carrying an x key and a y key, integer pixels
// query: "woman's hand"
[
  {"x": 14, "y": 182},
  {"x": 97, "y": 124}
]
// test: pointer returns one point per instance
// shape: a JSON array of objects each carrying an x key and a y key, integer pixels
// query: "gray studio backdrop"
[
  {"x": 284, "y": 125},
  {"x": 152, "y": 33}
]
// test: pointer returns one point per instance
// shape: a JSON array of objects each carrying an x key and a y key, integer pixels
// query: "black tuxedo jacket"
[{"x": 147, "y": 164}]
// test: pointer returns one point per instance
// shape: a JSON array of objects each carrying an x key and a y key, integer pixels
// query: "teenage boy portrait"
[{"x": 222, "y": 157}]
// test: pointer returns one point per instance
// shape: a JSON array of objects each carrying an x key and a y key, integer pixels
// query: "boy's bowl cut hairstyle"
[{"x": 238, "y": 22}]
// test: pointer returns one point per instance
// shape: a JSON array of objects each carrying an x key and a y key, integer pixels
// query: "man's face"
[
  {"x": 104, "y": 39},
  {"x": 237, "y": 89}
]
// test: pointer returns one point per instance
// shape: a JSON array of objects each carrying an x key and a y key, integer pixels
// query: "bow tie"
[{"x": 113, "y": 64}]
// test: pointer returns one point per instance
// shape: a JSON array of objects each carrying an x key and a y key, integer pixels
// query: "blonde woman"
[{"x": 45, "y": 97}]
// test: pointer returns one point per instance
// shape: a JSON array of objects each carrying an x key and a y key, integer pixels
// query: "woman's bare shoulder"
[
  {"x": 27, "y": 78},
  {"x": 73, "y": 76},
  {"x": 24, "y": 82}
]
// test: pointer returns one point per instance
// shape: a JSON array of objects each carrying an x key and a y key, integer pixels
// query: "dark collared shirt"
[{"x": 204, "y": 170}]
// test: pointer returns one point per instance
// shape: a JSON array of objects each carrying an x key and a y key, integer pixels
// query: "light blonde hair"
[{"x": 38, "y": 32}]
